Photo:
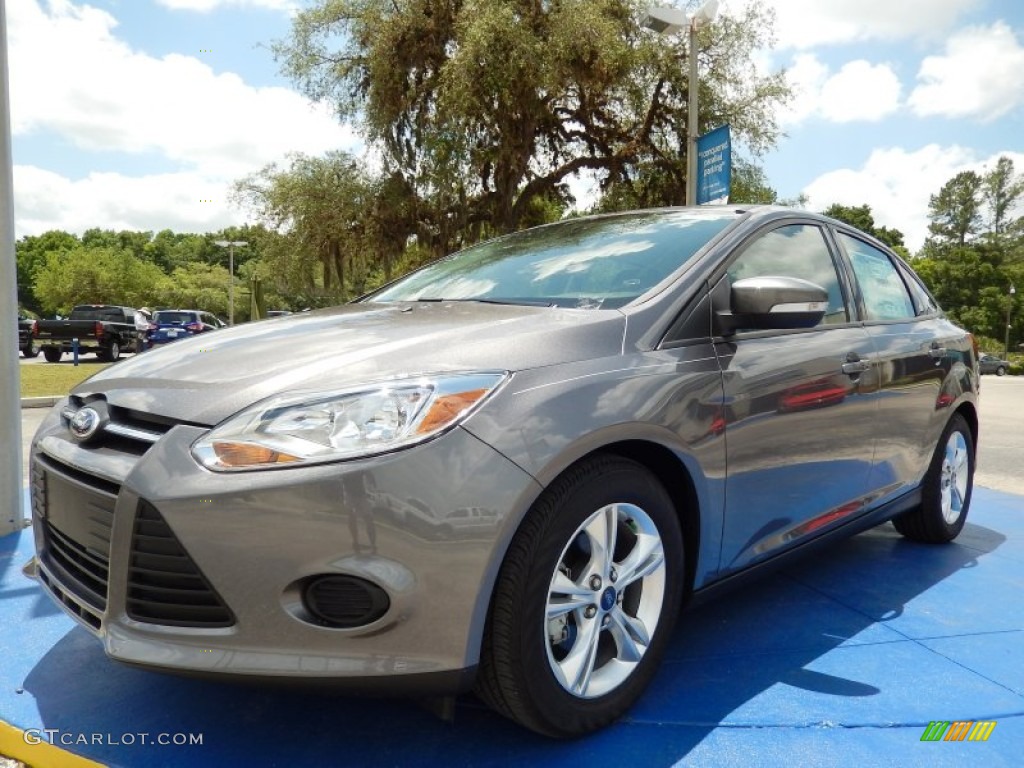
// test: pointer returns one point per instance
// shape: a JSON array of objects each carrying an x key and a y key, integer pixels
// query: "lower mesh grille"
[
  {"x": 165, "y": 586},
  {"x": 88, "y": 568}
]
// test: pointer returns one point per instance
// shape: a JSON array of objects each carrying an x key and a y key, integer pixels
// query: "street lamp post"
[
  {"x": 669, "y": 20},
  {"x": 1009, "y": 309},
  {"x": 230, "y": 245}
]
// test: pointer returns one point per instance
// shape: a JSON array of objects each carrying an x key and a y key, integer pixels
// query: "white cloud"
[
  {"x": 204, "y": 6},
  {"x": 101, "y": 95},
  {"x": 979, "y": 76},
  {"x": 806, "y": 24},
  {"x": 897, "y": 184},
  {"x": 187, "y": 201},
  {"x": 858, "y": 91}
]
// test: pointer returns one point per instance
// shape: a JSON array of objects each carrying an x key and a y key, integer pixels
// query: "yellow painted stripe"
[{"x": 12, "y": 744}]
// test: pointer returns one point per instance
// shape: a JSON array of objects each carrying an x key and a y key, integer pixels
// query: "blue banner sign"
[{"x": 714, "y": 166}]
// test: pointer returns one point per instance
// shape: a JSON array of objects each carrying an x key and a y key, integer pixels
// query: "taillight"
[
  {"x": 153, "y": 327},
  {"x": 974, "y": 345},
  {"x": 35, "y": 328},
  {"x": 99, "y": 329},
  {"x": 194, "y": 327}
]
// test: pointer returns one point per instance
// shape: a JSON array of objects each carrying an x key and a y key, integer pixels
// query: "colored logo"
[{"x": 958, "y": 730}]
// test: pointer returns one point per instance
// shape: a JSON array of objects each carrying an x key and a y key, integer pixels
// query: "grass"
[{"x": 45, "y": 379}]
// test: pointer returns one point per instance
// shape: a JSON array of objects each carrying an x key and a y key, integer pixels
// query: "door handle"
[
  {"x": 854, "y": 366},
  {"x": 936, "y": 352}
]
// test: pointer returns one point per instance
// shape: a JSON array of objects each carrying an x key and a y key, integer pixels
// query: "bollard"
[{"x": 74, "y": 350}]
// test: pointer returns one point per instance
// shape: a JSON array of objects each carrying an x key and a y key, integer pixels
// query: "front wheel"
[
  {"x": 946, "y": 489},
  {"x": 1001, "y": 370},
  {"x": 585, "y": 600}
]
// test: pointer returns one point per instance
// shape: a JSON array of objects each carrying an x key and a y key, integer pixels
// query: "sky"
[{"x": 139, "y": 114}]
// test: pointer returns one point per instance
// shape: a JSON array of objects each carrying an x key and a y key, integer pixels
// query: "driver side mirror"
[{"x": 773, "y": 303}]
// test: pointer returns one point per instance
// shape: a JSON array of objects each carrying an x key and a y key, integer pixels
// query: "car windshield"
[
  {"x": 589, "y": 263},
  {"x": 173, "y": 318}
]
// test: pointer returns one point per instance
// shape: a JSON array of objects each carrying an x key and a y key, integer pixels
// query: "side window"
[
  {"x": 795, "y": 250},
  {"x": 923, "y": 300},
  {"x": 885, "y": 294}
]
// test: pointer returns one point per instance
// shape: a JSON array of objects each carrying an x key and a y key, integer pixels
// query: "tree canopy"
[{"x": 482, "y": 110}]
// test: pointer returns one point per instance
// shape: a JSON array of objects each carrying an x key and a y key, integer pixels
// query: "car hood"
[{"x": 206, "y": 378}]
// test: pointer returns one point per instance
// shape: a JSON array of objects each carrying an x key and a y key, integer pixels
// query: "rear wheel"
[
  {"x": 946, "y": 489},
  {"x": 1001, "y": 370},
  {"x": 585, "y": 600},
  {"x": 30, "y": 350},
  {"x": 111, "y": 353},
  {"x": 52, "y": 354}
]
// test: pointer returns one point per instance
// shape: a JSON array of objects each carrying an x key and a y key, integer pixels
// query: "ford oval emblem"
[{"x": 84, "y": 424}]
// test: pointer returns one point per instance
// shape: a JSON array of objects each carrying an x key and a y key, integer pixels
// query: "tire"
[
  {"x": 1001, "y": 370},
  {"x": 52, "y": 354},
  {"x": 534, "y": 663},
  {"x": 946, "y": 489},
  {"x": 30, "y": 350},
  {"x": 112, "y": 353}
]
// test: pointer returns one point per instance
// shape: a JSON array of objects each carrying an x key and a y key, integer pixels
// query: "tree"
[
  {"x": 96, "y": 275},
  {"x": 860, "y": 216},
  {"x": 326, "y": 205},
  {"x": 31, "y": 253},
  {"x": 1001, "y": 190},
  {"x": 955, "y": 212},
  {"x": 481, "y": 107}
]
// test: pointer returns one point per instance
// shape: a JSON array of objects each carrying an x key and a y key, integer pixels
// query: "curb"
[
  {"x": 40, "y": 402},
  {"x": 32, "y": 748}
]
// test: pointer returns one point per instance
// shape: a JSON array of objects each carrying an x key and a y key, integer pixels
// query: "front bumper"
[{"x": 254, "y": 539}]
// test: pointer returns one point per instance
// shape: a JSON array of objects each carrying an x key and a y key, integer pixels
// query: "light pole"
[
  {"x": 1009, "y": 309},
  {"x": 230, "y": 245},
  {"x": 669, "y": 20}
]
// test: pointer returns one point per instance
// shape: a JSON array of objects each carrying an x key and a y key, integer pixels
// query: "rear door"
[
  {"x": 917, "y": 349},
  {"x": 800, "y": 406}
]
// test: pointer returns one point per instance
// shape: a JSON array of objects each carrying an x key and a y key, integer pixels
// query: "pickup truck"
[
  {"x": 100, "y": 328},
  {"x": 27, "y": 342}
]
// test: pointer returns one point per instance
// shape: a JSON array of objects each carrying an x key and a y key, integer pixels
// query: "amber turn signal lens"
[
  {"x": 249, "y": 455},
  {"x": 446, "y": 408}
]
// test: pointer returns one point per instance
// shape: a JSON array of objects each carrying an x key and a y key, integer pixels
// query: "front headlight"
[{"x": 311, "y": 428}]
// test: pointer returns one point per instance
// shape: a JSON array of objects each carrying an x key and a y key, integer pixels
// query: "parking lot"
[{"x": 842, "y": 659}]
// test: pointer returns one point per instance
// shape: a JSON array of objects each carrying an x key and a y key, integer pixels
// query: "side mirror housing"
[{"x": 773, "y": 303}]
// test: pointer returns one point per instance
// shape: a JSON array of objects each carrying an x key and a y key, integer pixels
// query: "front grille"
[
  {"x": 75, "y": 511},
  {"x": 165, "y": 586}
]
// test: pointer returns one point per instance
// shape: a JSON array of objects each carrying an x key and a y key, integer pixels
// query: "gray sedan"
[
  {"x": 992, "y": 364},
  {"x": 511, "y": 469}
]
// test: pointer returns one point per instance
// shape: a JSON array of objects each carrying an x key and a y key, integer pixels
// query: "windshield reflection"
[{"x": 596, "y": 262}]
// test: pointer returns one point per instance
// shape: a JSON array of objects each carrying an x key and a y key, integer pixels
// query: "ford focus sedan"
[{"x": 509, "y": 470}]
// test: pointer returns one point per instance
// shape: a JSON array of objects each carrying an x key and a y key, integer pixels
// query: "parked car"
[
  {"x": 104, "y": 329},
  {"x": 27, "y": 339},
  {"x": 633, "y": 410},
  {"x": 175, "y": 324},
  {"x": 278, "y": 312},
  {"x": 992, "y": 364}
]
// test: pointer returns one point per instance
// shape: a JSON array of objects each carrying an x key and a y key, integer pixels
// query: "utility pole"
[
  {"x": 230, "y": 245},
  {"x": 1009, "y": 310}
]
